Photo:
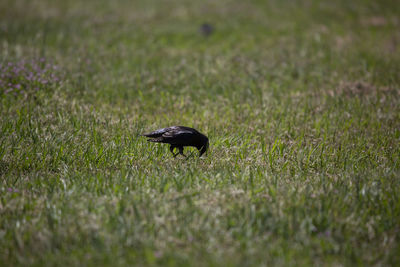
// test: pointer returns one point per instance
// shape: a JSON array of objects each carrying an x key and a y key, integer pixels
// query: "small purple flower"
[
  {"x": 158, "y": 254},
  {"x": 12, "y": 190}
]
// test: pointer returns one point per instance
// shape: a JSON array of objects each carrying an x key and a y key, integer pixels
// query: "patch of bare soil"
[
  {"x": 376, "y": 21},
  {"x": 363, "y": 89}
]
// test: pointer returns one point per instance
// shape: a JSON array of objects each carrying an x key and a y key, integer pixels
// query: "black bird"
[
  {"x": 206, "y": 29},
  {"x": 179, "y": 137}
]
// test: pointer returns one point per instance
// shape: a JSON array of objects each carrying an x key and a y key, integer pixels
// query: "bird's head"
[{"x": 203, "y": 147}]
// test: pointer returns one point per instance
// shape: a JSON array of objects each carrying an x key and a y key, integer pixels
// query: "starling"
[{"x": 179, "y": 137}]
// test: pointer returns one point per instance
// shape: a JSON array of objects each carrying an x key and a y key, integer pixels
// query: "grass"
[{"x": 300, "y": 100}]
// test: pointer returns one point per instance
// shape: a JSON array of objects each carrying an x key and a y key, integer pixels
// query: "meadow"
[{"x": 300, "y": 100}]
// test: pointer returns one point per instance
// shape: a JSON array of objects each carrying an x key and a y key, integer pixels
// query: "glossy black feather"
[{"x": 179, "y": 137}]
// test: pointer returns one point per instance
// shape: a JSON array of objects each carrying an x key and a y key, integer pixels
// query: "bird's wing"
[{"x": 177, "y": 136}]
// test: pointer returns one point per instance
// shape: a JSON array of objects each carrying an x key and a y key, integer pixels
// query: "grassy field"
[{"x": 300, "y": 100}]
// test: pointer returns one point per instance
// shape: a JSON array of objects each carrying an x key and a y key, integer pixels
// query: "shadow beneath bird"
[{"x": 179, "y": 137}]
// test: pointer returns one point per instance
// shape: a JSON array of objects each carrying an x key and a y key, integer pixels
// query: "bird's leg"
[
  {"x": 171, "y": 148},
  {"x": 181, "y": 151}
]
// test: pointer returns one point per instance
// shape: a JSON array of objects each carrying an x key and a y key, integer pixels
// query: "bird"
[
  {"x": 206, "y": 29},
  {"x": 179, "y": 137}
]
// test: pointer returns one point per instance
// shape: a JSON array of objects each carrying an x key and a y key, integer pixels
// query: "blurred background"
[{"x": 300, "y": 100}]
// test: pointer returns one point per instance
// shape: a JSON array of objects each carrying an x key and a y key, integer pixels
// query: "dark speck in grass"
[{"x": 206, "y": 29}]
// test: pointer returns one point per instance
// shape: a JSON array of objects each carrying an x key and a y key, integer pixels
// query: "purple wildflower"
[
  {"x": 26, "y": 75},
  {"x": 11, "y": 190}
]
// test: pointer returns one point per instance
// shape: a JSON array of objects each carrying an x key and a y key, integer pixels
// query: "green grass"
[{"x": 300, "y": 100}]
